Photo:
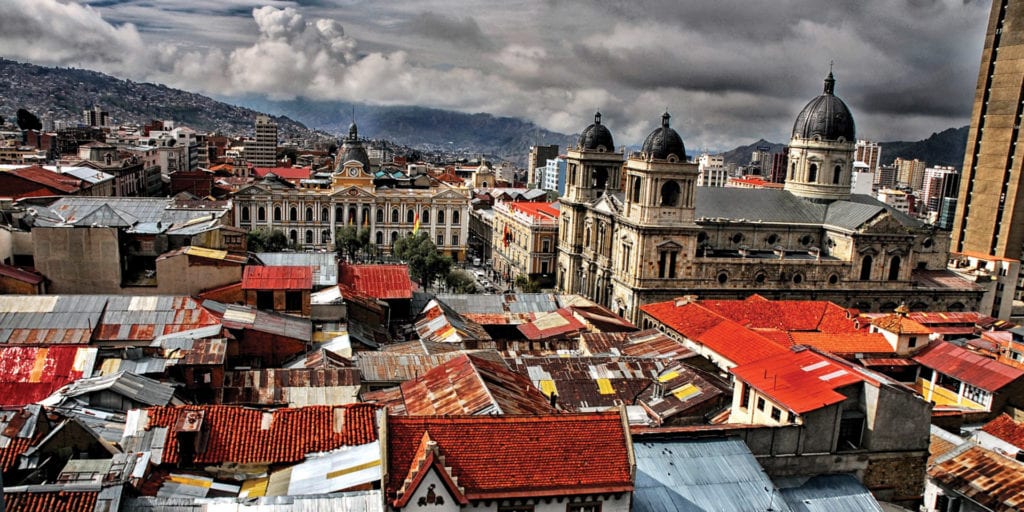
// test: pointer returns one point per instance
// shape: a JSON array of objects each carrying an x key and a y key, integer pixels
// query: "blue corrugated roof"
[{"x": 831, "y": 493}]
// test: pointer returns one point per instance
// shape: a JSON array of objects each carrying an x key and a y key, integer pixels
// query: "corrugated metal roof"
[
  {"x": 438, "y": 323},
  {"x": 800, "y": 381},
  {"x": 362, "y": 501},
  {"x": 701, "y": 474},
  {"x": 831, "y": 493},
  {"x": 297, "y": 387},
  {"x": 277, "y": 278},
  {"x": 137, "y": 388},
  {"x": 985, "y": 477},
  {"x": 121, "y": 211},
  {"x": 324, "y": 264},
  {"x": 974, "y": 369},
  {"x": 378, "y": 281},
  {"x": 235, "y": 316},
  {"x": 30, "y": 374}
]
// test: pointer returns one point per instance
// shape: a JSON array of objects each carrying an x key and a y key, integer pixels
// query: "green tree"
[
  {"x": 350, "y": 241},
  {"x": 259, "y": 240},
  {"x": 425, "y": 262},
  {"x": 28, "y": 121},
  {"x": 460, "y": 281},
  {"x": 525, "y": 285}
]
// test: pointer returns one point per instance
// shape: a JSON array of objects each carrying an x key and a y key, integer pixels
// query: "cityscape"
[{"x": 533, "y": 258}]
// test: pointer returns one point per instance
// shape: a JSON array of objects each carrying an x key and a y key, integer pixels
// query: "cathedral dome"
[
  {"x": 663, "y": 142},
  {"x": 826, "y": 117},
  {"x": 597, "y": 136}
]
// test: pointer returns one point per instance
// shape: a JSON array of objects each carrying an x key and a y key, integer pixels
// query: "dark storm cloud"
[{"x": 459, "y": 31}]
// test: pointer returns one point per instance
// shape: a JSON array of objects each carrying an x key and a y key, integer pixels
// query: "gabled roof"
[
  {"x": 517, "y": 456},
  {"x": 969, "y": 367},
  {"x": 1006, "y": 429},
  {"x": 51, "y": 498},
  {"x": 844, "y": 343},
  {"x": 900, "y": 324},
  {"x": 472, "y": 385},
  {"x": 378, "y": 281},
  {"x": 985, "y": 477},
  {"x": 277, "y": 278},
  {"x": 243, "y": 436},
  {"x": 324, "y": 265},
  {"x": 72, "y": 210},
  {"x": 781, "y": 206},
  {"x": 786, "y": 315},
  {"x": 801, "y": 380},
  {"x": 49, "y": 179}
]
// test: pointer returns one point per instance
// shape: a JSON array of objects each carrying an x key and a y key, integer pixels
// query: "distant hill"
[
  {"x": 942, "y": 148},
  {"x": 64, "y": 93},
  {"x": 430, "y": 128}
]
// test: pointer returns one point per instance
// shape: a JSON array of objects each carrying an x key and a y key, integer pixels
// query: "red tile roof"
[
  {"x": 30, "y": 374},
  {"x": 277, "y": 278},
  {"x": 986, "y": 478},
  {"x": 800, "y": 381},
  {"x": 900, "y": 324},
  {"x": 1006, "y": 429},
  {"x": 739, "y": 344},
  {"x": 784, "y": 315},
  {"x": 288, "y": 173},
  {"x": 49, "y": 179},
  {"x": 64, "y": 501},
  {"x": 536, "y": 210},
  {"x": 976, "y": 370},
  {"x": 473, "y": 385},
  {"x": 378, "y": 281},
  {"x": 517, "y": 456},
  {"x": 242, "y": 435},
  {"x": 844, "y": 343}
]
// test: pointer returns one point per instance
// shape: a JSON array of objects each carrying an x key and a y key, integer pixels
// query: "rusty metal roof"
[
  {"x": 235, "y": 316},
  {"x": 297, "y": 387},
  {"x": 49, "y": 319},
  {"x": 439, "y": 323},
  {"x": 985, "y": 477},
  {"x": 378, "y": 281},
  {"x": 472, "y": 385},
  {"x": 30, "y": 374},
  {"x": 277, "y": 278},
  {"x": 586, "y": 382},
  {"x": 155, "y": 317},
  {"x": 388, "y": 367},
  {"x": 974, "y": 369}
]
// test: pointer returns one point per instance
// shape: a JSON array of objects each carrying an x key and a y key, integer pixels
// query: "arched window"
[
  {"x": 440, "y": 216},
  {"x": 586, "y": 238},
  {"x": 325, "y": 215},
  {"x": 261, "y": 214},
  {"x": 792, "y": 171},
  {"x": 394, "y": 215},
  {"x": 865, "y": 268},
  {"x": 293, "y": 214},
  {"x": 455, "y": 217},
  {"x": 325, "y": 236},
  {"x": 812, "y": 173},
  {"x": 309, "y": 214},
  {"x": 380, "y": 215},
  {"x": 670, "y": 194},
  {"x": 410, "y": 216},
  {"x": 245, "y": 214},
  {"x": 835, "y": 174},
  {"x": 277, "y": 213},
  {"x": 339, "y": 213},
  {"x": 894, "y": 268},
  {"x": 600, "y": 177},
  {"x": 293, "y": 236},
  {"x": 380, "y": 237},
  {"x": 365, "y": 219},
  {"x": 636, "y": 189},
  {"x": 352, "y": 216},
  {"x": 425, "y": 216},
  {"x": 394, "y": 237},
  {"x": 309, "y": 236}
]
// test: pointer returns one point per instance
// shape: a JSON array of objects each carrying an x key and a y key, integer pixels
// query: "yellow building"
[{"x": 525, "y": 240}]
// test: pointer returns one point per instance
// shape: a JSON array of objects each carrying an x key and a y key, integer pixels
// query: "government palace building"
[{"x": 641, "y": 231}]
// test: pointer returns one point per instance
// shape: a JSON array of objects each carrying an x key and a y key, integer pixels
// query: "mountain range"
[{"x": 63, "y": 93}]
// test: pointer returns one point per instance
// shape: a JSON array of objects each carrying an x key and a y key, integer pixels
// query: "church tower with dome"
[
  {"x": 352, "y": 163},
  {"x": 821, "y": 151}
]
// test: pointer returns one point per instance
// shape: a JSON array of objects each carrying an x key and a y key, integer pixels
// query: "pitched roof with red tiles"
[
  {"x": 784, "y": 315},
  {"x": 378, "y": 281},
  {"x": 277, "y": 278},
  {"x": 30, "y": 374},
  {"x": 49, "y": 501},
  {"x": 516, "y": 456},
  {"x": 242, "y": 435},
  {"x": 473, "y": 385},
  {"x": 900, "y": 324},
  {"x": 844, "y": 343},
  {"x": 801, "y": 381},
  {"x": 288, "y": 173},
  {"x": 1006, "y": 429},
  {"x": 974, "y": 369},
  {"x": 985, "y": 477}
]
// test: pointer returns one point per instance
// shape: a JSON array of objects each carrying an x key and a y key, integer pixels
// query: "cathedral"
[{"x": 639, "y": 231}]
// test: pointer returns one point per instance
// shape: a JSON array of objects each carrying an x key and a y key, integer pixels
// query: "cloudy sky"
[{"x": 729, "y": 71}]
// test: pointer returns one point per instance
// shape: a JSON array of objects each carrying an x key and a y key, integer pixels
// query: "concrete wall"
[
  {"x": 183, "y": 275},
  {"x": 78, "y": 260}
]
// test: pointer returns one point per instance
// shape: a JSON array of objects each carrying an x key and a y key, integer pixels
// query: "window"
[
  {"x": 600, "y": 177},
  {"x": 351, "y": 216},
  {"x": 325, "y": 236},
  {"x": 760, "y": 403},
  {"x": 293, "y": 214},
  {"x": 913, "y": 342},
  {"x": 776, "y": 414},
  {"x": 309, "y": 215},
  {"x": 293, "y": 236},
  {"x": 380, "y": 237},
  {"x": 265, "y": 300},
  {"x": 670, "y": 194},
  {"x": 636, "y": 189},
  {"x": 277, "y": 213},
  {"x": 545, "y": 245},
  {"x": 894, "y": 268},
  {"x": 394, "y": 237},
  {"x": 380, "y": 215},
  {"x": 309, "y": 236},
  {"x": 261, "y": 214},
  {"x": 394, "y": 215},
  {"x": 667, "y": 264},
  {"x": 744, "y": 395},
  {"x": 625, "y": 256},
  {"x": 425, "y": 217},
  {"x": 245, "y": 214},
  {"x": 812, "y": 173},
  {"x": 455, "y": 239},
  {"x": 865, "y": 268},
  {"x": 835, "y": 175},
  {"x": 293, "y": 301},
  {"x": 851, "y": 427},
  {"x": 325, "y": 215},
  {"x": 455, "y": 217},
  {"x": 792, "y": 171},
  {"x": 440, "y": 240},
  {"x": 440, "y": 217},
  {"x": 583, "y": 507}
]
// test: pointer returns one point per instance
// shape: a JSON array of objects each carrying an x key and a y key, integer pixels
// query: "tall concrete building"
[
  {"x": 262, "y": 151},
  {"x": 989, "y": 224},
  {"x": 96, "y": 117},
  {"x": 910, "y": 172},
  {"x": 538, "y": 160},
  {"x": 870, "y": 153}
]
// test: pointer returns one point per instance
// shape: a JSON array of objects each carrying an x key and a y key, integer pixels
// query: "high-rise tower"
[
  {"x": 262, "y": 150},
  {"x": 989, "y": 224}
]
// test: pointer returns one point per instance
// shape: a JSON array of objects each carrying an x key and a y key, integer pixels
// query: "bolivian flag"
[{"x": 416, "y": 223}]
